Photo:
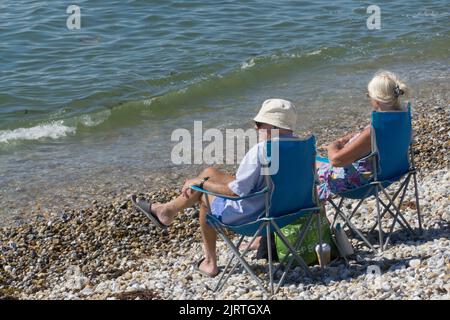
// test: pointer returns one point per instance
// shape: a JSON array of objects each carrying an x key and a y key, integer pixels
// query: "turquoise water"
[{"x": 110, "y": 94}]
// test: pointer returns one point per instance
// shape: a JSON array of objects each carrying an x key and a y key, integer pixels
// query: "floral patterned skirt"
[{"x": 334, "y": 180}]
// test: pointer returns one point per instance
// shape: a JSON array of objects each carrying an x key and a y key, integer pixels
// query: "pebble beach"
[{"x": 108, "y": 250}]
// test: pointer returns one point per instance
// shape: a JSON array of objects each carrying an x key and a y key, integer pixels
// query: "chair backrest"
[
  {"x": 391, "y": 139},
  {"x": 292, "y": 187}
]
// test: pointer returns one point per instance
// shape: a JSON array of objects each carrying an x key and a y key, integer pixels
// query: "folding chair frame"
[
  {"x": 376, "y": 189},
  {"x": 267, "y": 224}
]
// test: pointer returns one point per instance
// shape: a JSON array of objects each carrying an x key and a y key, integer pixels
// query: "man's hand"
[{"x": 186, "y": 190}]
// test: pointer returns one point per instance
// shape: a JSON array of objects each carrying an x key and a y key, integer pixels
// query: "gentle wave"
[
  {"x": 54, "y": 130},
  {"x": 175, "y": 102},
  {"x": 190, "y": 91},
  {"x": 283, "y": 56},
  {"x": 93, "y": 120},
  {"x": 248, "y": 64}
]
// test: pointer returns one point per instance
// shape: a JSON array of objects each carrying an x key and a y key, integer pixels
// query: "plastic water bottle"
[{"x": 326, "y": 254}]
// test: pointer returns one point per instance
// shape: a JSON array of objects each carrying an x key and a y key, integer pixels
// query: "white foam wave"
[
  {"x": 314, "y": 53},
  {"x": 148, "y": 102},
  {"x": 52, "y": 130},
  {"x": 248, "y": 64},
  {"x": 95, "y": 119},
  {"x": 276, "y": 57}
]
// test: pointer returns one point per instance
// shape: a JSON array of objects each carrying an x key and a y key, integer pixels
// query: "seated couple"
[{"x": 343, "y": 171}]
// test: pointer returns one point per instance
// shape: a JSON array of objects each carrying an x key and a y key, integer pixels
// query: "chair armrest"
[
  {"x": 372, "y": 154},
  {"x": 263, "y": 191},
  {"x": 322, "y": 159}
]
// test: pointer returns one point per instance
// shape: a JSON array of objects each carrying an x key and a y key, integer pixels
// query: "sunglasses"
[{"x": 258, "y": 124}]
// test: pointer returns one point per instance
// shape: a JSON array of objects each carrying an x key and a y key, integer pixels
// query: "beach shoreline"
[
  {"x": 53, "y": 191},
  {"x": 104, "y": 249}
]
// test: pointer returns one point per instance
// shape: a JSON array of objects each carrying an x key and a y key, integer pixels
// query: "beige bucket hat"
[{"x": 279, "y": 113}]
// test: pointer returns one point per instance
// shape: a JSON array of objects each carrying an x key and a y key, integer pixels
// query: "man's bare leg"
[
  {"x": 209, "y": 236},
  {"x": 166, "y": 212}
]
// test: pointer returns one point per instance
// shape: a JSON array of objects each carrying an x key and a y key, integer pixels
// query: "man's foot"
[
  {"x": 254, "y": 246},
  {"x": 206, "y": 268},
  {"x": 155, "y": 212},
  {"x": 164, "y": 214}
]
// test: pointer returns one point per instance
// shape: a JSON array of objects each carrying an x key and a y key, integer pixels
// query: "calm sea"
[{"x": 108, "y": 95}]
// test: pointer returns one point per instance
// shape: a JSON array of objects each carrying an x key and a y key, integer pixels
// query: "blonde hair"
[{"x": 386, "y": 88}]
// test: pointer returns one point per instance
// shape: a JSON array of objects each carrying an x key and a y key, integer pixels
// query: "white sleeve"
[{"x": 248, "y": 173}]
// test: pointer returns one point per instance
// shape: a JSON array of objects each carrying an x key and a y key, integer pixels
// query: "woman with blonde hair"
[{"x": 345, "y": 170}]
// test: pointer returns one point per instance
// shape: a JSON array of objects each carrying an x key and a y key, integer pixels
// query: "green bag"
[{"x": 307, "y": 249}]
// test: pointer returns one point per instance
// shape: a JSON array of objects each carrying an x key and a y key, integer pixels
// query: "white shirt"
[{"x": 248, "y": 180}]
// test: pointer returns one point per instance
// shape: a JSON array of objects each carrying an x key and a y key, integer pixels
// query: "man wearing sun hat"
[{"x": 276, "y": 114}]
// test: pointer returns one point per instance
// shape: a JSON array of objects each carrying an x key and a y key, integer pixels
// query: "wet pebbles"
[{"x": 110, "y": 251}]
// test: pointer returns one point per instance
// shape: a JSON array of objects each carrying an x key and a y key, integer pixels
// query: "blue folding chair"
[
  {"x": 290, "y": 193},
  {"x": 393, "y": 161}
]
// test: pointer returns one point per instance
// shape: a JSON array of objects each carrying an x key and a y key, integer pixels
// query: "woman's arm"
[
  {"x": 342, "y": 140},
  {"x": 341, "y": 154}
]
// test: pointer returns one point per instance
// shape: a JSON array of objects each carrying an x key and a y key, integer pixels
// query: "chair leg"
[
  {"x": 358, "y": 232},
  {"x": 336, "y": 211},
  {"x": 241, "y": 255},
  {"x": 227, "y": 266},
  {"x": 397, "y": 210},
  {"x": 269, "y": 252},
  {"x": 386, "y": 207},
  {"x": 402, "y": 198},
  {"x": 357, "y": 206},
  {"x": 404, "y": 224},
  {"x": 397, "y": 213},
  {"x": 319, "y": 233},
  {"x": 416, "y": 192},
  {"x": 380, "y": 229},
  {"x": 220, "y": 283},
  {"x": 244, "y": 263},
  {"x": 355, "y": 229},
  {"x": 354, "y": 211}
]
